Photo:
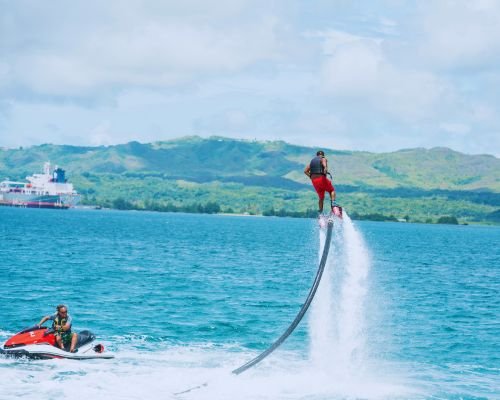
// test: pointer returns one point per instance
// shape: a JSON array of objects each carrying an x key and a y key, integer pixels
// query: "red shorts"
[{"x": 322, "y": 185}]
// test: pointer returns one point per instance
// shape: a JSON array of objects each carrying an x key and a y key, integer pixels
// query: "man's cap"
[{"x": 320, "y": 153}]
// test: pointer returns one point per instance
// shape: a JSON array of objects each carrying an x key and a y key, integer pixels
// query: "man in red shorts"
[{"x": 317, "y": 170}]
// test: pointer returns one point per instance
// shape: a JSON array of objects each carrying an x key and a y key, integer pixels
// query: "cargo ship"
[{"x": 48, "y": 190}]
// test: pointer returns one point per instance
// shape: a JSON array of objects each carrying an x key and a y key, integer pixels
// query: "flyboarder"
[{"x": 317, "y": 170}]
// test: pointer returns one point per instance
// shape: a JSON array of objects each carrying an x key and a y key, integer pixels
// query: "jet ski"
[{"x": 39, "y": 342}]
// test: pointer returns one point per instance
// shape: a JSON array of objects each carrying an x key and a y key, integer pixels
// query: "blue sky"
[{"x": 376, "y": 76}]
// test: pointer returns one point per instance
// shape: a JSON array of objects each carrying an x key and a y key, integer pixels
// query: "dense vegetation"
[{"x": 225, "y": 175}]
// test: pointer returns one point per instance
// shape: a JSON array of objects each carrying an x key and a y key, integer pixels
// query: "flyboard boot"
[
  {"x": 336, "y": 210},
  {"x": 324, "y": 220}
]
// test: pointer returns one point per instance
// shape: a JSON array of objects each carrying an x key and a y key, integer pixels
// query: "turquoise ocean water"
[{"x": 404, "y": 311}]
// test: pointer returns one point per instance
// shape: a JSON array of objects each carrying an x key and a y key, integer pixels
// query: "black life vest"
[
  {"x": 61, "y": 322},
  {"x": 317, "y": 166}
]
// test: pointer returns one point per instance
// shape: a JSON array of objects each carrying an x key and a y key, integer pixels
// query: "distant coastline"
[
  {"x": 449, "y": 220},
  {"x": 265, "y": 178}
]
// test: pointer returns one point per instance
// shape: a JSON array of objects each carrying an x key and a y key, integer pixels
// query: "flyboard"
[{"x": 324, "y": 222}]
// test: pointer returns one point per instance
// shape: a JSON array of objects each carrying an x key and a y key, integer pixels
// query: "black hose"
[
  {"x": 295, "y": 322},
  {"x": 302, "y": 311}
]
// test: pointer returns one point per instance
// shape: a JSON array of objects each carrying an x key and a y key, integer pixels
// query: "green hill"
[{"x": 253, "y": 176}]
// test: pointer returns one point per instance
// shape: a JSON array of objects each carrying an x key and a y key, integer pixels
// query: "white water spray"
[
  {"x": 337, "y": 322},
  {"x": 321, "y": 319}
]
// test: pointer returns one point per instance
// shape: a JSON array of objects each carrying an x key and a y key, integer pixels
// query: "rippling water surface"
[{"x": 403, "y": 311}]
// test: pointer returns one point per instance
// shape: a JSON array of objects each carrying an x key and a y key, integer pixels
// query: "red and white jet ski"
[{"x": 39, "y": 342}]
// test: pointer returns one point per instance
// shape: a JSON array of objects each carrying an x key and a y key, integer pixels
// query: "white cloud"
[
  {"x": 4, "y": 73},
  {"x": 353, "y": 65},
  {"x": 358, "y": 67},
  {"x": 379, "y": 76},
  {"x": 459, "y": 34},
  {"x": 100, "y": 135},
  {"x": 454, "y": 128},
  {"x": 324, "y": 129},
  {"x": 132, "y": 99},
  {"x": 232, "y": 121},
  {"x": 146, "y": 51},
  {"x": 484, "y": 113}
]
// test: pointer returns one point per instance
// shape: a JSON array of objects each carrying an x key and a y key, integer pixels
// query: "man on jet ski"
[{"x": 62, "y": 328}]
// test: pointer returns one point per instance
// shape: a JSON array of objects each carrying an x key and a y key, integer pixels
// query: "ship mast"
[{"x": 46, "y": 168}]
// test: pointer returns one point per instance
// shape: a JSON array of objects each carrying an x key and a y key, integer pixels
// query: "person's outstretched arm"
[{"x": 42, "y": 321}]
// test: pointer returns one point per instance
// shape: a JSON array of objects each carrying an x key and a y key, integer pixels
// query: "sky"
[{"x": 371, "y": 75}]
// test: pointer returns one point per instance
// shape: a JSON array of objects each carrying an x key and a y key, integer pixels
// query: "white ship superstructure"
[{"x": 47, "y": 190}]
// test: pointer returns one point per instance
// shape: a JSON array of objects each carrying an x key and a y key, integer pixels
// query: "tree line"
[
  {"x": 210, "y": 207},
  {"x": 213, "y": 207}
]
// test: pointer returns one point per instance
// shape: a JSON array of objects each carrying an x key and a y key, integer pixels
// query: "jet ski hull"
[
  {"x": 39, "y": 343},
  {"x": 46, "y": 352}
]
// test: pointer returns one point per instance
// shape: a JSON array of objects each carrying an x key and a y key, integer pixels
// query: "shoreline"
[{"x": 242, "y": 215}]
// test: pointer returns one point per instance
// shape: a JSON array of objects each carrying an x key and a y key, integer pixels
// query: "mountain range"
[{"x": 255, "y": 176}]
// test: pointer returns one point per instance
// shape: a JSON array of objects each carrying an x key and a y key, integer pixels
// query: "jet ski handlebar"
[
  {"x": 32, "y": 328},
  {"x": 37, "y": 327},
  {"x": 49, "y": 331}
]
